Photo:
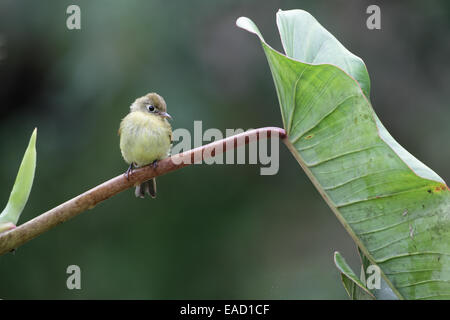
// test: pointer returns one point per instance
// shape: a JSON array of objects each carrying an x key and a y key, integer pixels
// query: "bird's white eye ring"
[{"x": 150, "y": 108}]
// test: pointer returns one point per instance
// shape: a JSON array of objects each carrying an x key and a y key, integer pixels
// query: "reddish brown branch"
[{"x": 14, "y": 238}]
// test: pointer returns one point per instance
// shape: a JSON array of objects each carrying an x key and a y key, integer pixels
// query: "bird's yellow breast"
[{"x": 144, "y": 138}]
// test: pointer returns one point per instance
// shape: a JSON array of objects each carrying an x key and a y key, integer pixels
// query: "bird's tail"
[{"x": 146, "y": 187}]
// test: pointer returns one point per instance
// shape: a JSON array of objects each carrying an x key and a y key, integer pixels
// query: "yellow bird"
[{"x": 145, "y": 137}]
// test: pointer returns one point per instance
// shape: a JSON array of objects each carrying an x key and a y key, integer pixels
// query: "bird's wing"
[{"x": 119, "y": 132}]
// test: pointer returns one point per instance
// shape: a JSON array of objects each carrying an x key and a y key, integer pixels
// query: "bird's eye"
[{"x": 150, "y": 108}]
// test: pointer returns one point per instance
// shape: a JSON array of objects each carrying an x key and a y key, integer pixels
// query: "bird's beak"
[{"x": 166, "y": 115}]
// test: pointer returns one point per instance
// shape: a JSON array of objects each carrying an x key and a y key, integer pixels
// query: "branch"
[{"x": 16, "y": 237}]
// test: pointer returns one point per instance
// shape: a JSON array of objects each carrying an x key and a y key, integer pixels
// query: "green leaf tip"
[
  {"x": 247, "y": 24},
  {"x": 22, "y": 187}
]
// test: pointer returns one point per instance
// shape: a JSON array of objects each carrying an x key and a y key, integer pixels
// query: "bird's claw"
[
  {"x": 129, "y": 171},
  {"x": 154, "y": 164}
]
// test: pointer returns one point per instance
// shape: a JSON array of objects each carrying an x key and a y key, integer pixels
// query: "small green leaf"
[
  {"x": 352, "y": 284},
  {"x": 22, "y": 187}
]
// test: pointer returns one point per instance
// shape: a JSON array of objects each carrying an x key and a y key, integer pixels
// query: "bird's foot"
[
  {"x": 129, "y": 171},
  {"x": 154, "y": 164}
]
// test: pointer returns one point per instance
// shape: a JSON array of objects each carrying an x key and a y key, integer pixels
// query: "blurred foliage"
[{"x": 214, "y": 231}]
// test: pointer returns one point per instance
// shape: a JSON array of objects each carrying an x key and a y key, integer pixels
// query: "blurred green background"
[{"x": 214, "y": 232}]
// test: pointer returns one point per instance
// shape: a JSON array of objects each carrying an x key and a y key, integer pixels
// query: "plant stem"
[{"x": 16, "y": 237}]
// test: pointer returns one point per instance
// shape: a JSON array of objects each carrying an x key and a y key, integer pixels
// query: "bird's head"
[{"x": 151, "y": 103}]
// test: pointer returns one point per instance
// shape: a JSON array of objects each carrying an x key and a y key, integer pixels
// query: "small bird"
[{"x": 145, "y": 137}]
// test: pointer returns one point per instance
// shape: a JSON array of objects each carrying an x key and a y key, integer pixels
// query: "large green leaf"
[{"x": 395, "y": 208}]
